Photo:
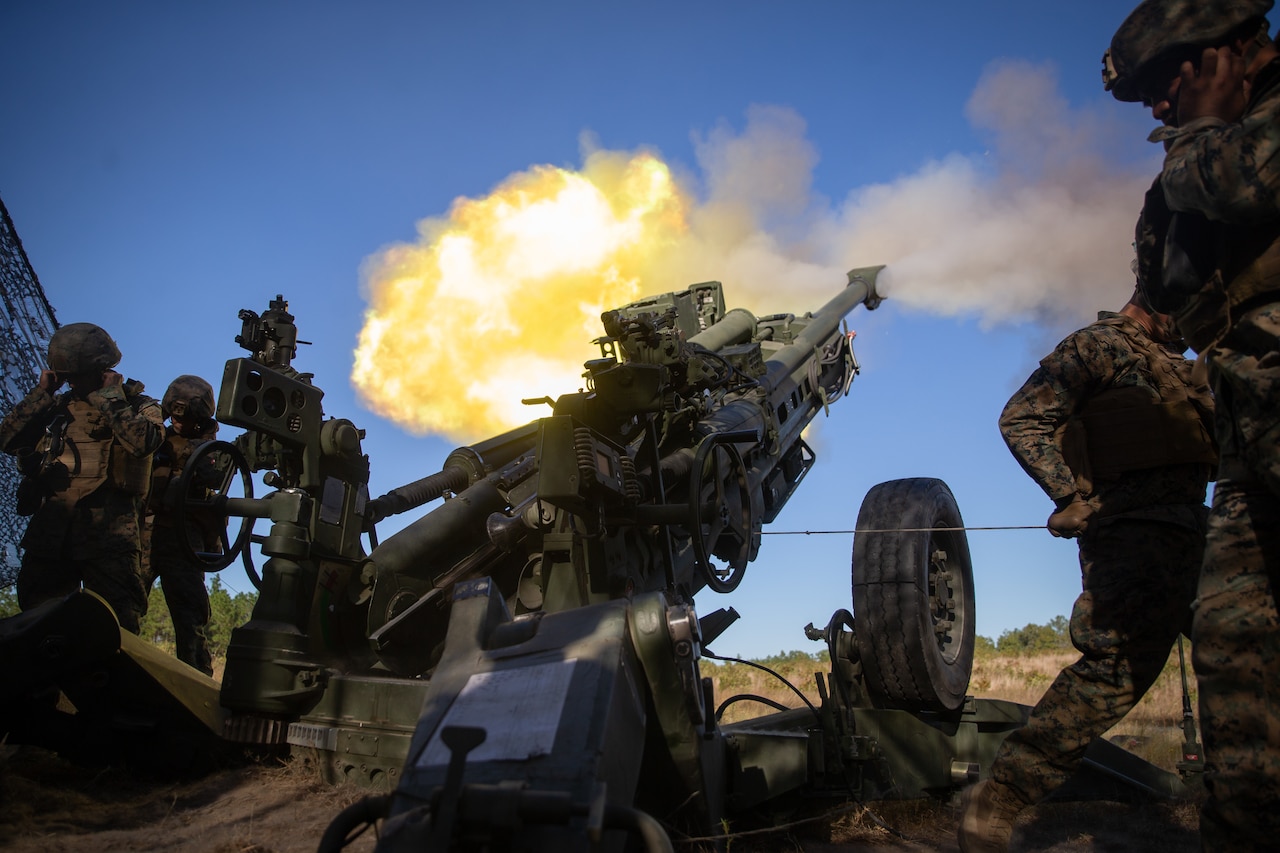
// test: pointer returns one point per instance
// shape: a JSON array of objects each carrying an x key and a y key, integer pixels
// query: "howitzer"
[
  {"x": 519, "y": 668},
  {"x": 687, "y": 438}
]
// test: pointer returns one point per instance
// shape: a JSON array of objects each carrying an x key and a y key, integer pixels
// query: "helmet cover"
[
  {"x": 82, "y": 348},
  {"x": 1158, "y": 27},
  {"x": 188, "y": 395}
]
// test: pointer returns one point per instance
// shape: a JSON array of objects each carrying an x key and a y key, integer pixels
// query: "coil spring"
[
  {"x": 584, "y": 449},
  {"x": 630, "y": 483}
]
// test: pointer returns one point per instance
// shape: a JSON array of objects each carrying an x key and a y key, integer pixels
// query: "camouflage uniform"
[
  {"x": 190, "y": 403},
  {"x": 1072, "y": 426},
  {"x": 86, "y": 528},
  {"x": 1216, "y": 205},
  {"x": 166, "y": 559},
  {"x": 1230, "y": 174}
]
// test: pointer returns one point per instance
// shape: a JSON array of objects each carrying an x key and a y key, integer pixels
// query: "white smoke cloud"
[{"x": 1040, "y": 228}]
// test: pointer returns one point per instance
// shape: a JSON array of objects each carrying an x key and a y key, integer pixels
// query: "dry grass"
[
  {"x": 1152, "y": 729},
  {"x": 47, "y": 805}
]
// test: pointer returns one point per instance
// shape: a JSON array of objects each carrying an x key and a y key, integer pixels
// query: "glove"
[{"x": 1071, "y": 518}]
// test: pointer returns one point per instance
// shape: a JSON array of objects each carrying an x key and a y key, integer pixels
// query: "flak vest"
[
  {"x": 168, "y": 464},
  {"x": 90, "y": 457},
  {"x": 1248, "y": 272},
  {"x": 1122, "y": 429},
  {"x": 1239, "y": 266}
]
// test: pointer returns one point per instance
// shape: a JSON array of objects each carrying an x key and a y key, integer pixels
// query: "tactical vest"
[
  {"x": 1243, "y": 263},
  {"x": 90, "y": 457},
  {"x": 1248, "y": 268},
  {"x": 167, "y": 466},
  {"x": 169, "y": 461},
  {"x": 1123, "y": 429}
]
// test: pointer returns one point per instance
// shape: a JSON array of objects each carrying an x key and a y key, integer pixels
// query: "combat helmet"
[
  {"x": 1158, "y": 28},
  {"x": 82, "y": 348},
  {"x": 188, "y": 395}
]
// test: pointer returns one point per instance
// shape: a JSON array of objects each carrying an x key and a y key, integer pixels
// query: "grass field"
[{"x": 1153, "y": 729}]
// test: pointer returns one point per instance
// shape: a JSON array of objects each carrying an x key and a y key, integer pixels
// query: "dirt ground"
[{"x": 49, "y": 806}]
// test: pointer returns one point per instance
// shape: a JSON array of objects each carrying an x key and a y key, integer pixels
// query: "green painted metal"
[{"x": 519, "y": 667}]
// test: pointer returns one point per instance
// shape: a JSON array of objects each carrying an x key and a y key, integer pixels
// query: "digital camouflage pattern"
[
  {"x": 87, "y": 526},
  {"x": 1236, "y": 655},
  {"x": 181, "y": 579},
  {"x": 1139, "y": 580},
  {"x": 189, "y": 395},
  {"x": 1113, "y": 355},
  {"x": 1236, "y": 632},
  {"x": 1157, "y": 27},
  {"x": 81, "y": 348},
  {"x": 1139, "y": 556},
  {"x": 1229, "y": 173},
  {"x": 185, "y": 595}
]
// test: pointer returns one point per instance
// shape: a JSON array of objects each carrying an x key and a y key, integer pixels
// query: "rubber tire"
[{"x": 905, "y": 664}]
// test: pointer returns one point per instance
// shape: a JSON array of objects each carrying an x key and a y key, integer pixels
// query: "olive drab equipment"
[
  {"x": 79, "y": 453},
  {"x": 82, "y": 348},
  {"x": 1158, "y": 29},
  {"x": 519, "y": 667},
  {"x": 34, "y": 462}
]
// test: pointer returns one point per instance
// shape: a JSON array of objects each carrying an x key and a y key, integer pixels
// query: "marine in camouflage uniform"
[
  {"x": 1210, "y": 238},
  {"x": 86, "y": 458},
  {"x": 188, "y": 403},
  {"x": 1117, "y": 433}
]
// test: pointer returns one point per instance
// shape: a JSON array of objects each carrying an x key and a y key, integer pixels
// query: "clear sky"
[{"x": 169, "y": 164}]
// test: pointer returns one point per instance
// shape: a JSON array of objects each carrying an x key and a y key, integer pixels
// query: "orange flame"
[{"x": 500, "y": 300}]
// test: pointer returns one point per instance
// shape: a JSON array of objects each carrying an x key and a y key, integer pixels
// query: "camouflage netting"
[{"x": 28, "y": 322}]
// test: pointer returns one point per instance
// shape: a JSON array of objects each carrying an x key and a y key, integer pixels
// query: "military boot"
[{"x": 987, "y": 811}]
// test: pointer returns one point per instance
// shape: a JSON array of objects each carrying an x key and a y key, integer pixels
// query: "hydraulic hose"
[{"x": 362, "y": 813}]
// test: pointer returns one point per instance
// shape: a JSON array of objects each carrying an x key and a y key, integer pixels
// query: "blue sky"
[{"x": 168, "y": 164}]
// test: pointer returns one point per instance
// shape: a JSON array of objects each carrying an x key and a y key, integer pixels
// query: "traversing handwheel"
[
  {"x": 721, "y": 520},
  {"x": 207, "y": 480}
]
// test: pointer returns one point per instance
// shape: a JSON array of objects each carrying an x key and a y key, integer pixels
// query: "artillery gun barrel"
[{"x": 826, "y": 322}]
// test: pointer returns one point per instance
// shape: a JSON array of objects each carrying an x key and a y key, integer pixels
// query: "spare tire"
[{"x": 913, "y": 596}]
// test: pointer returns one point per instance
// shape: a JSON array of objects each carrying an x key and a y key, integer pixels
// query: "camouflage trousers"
[
  {"x": 1139, "y": 579},
  {"x": 116, "y": 577},
  {"x": 185, "y": 595},
  {"x": 1236, "y": 631}
]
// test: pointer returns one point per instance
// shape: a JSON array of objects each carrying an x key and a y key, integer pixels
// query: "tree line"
[
  {"x": 231, "y": 611},
  {"x": 228, "y": 611},
  {"x": 1029, "y": 640}
]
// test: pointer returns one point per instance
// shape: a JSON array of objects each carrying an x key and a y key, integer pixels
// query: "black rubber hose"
[
  {"x": 362, "y": 813},
  {"x": 749, "y": 697}
]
